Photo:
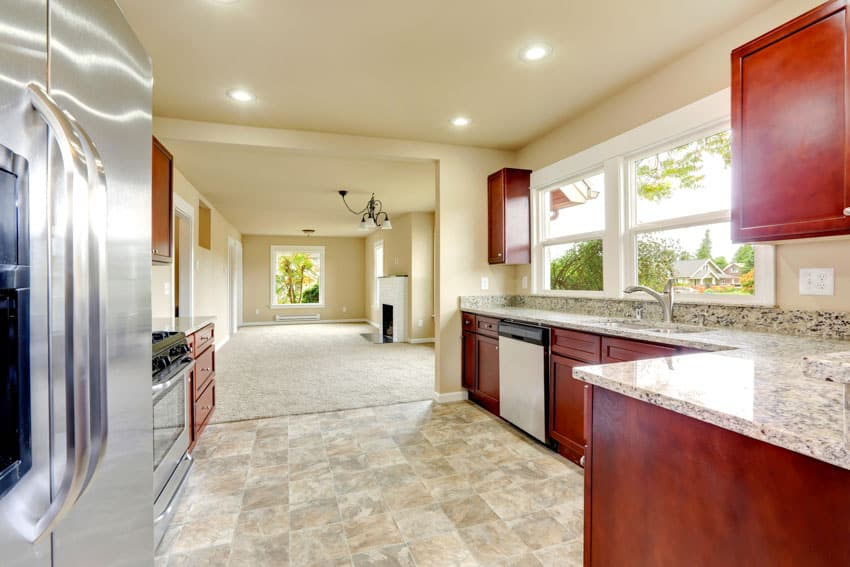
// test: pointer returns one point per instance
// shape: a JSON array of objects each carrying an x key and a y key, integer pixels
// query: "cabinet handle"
[
  {"x": 205, "y": 369},
  {"x": 581, "y": 461},
  {"x": 499, "y": 254},
  {"x": 846, "y": 211}
]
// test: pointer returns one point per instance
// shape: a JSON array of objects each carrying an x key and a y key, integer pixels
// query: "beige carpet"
[{"x": 293, "y": 369}]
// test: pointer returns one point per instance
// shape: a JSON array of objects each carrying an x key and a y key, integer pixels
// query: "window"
[
  {"x": 684, "y": 189},
  {"x": 573, "y": 223},
  {"x": 652, "y": 205},
  {"x": 296, "y": 276}
]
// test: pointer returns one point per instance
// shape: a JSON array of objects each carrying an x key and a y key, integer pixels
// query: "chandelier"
[{"x": 371, "y": 215}]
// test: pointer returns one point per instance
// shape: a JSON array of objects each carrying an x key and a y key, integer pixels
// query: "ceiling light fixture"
[
  {"x": 370, "y": 215},
  {"x": 308, "y": 231},
  {"x": 536, "y": 52},
  {"x": 240, "y": 95},
  {"x": 461, "y": 121}
]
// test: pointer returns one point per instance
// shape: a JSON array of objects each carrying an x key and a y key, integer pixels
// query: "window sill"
[{"x": 299, "y": 306}]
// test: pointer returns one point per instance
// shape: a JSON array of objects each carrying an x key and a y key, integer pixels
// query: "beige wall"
[
  {"x": 698, "y": 74},
  {"x": 210, "y": 276},
  {"x": 460, "y": 223},
  {"x": 343, "y": 275},
  {"x": 408, "y": 251}
]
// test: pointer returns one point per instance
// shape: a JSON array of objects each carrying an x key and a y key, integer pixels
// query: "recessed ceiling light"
[
  {"x": 536, "y": 52},
  {"x": 240, "y": 95},
  {"x": 461, "y": 121}
]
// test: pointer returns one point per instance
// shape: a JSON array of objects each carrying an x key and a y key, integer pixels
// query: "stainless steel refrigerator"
[{"x": 75, "y": 158}]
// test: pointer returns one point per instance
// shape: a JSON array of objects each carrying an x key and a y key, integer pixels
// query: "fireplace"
[{"x": 387, "y": 323}]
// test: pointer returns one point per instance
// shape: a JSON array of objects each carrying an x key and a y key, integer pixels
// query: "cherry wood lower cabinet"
[
  {"x": 480, "y": 361},
  {"x": 567, "y": 398},
  {"x": 203, "y": 380},
  {"x": 666, "y": 489}
]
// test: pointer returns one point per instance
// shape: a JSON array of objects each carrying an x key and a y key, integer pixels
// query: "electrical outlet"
[
  {"x": 485, "y": 283},
  {"x": 256, "y": 311},
  {"x": 420, "y": 323},
  {"x": 817, "y": 281},
  {"x": 344, "y": 309},
  {"x": 524, "y": 282}
]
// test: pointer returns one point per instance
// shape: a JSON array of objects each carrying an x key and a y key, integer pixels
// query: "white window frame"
[
  {"x": 614, "y": 157},
  {"x": 288, "y": 249},
  {"x": 377, "y": 272}
]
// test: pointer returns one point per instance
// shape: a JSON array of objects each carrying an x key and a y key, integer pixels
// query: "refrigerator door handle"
[
  {"x": 78, "y": 427},
  {"x": 98, "y": 347}
]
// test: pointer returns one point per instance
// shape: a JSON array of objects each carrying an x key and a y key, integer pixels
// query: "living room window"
[
  {"x": 654, "y": 206},
  {"x": 297, "y": 276}
]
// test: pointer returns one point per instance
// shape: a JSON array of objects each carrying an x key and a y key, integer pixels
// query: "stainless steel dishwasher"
[{"x": 522, "y": 376}]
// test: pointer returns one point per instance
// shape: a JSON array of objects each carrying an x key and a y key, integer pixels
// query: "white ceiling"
[
  {"x": 275, "y": 191},
  {"x": 390, "y": 68},
  {"x": 403, "y": 69}
]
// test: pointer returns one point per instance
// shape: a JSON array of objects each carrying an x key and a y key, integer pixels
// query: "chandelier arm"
[{"x": 352, "y": 210}]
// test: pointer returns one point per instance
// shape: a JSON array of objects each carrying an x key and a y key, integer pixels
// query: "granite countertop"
[
  {"x": 753, "y": 383},
  {"x": 187, "y": 325}
]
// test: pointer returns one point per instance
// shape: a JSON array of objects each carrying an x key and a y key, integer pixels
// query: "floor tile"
[
  {"x": 314, "y": 514},
  {"x": 217, "y": 556},
  {"x": 316, "y": 546},
  {"x": 511, "y": 502},
  {"x": 423, "y": 523},
  {"x": 265, "y": 495},
  {"x": 255, "y": 551},
  {"x": 493, "y": 542},
  {"x": 361, "y": 504},
  {"x": 301, "y": 491},
  {"x": 392, "y": 556},
  {"x": 468, "y": 511},
  {"x": 263, "y": 522},
  {"x": 539, "y": 530},
  {"x": 443, "y": 550},
  {"x": 413, "y": 495},
  {"x": 372, "y": 532}
]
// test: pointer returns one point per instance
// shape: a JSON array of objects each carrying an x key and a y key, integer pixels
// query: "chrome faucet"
[{"x": 665, "y": 298}]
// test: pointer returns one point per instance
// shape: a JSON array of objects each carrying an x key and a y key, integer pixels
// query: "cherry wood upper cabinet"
[
  {"x": 791, "y": 133},
  {"x": 509, "y": 217},
  {"x": 162, "y": 169}
]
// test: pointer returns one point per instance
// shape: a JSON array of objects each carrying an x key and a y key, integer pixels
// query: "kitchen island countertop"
[{"x": 752, "y": 383}]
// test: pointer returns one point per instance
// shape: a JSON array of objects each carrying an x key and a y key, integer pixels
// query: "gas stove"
[{"x": 170, "y": 351}]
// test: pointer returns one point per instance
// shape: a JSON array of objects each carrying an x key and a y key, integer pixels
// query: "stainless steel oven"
[{"x": 171, "y": 391}]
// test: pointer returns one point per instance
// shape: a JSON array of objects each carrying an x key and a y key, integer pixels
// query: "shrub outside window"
[{"x": 297, "y": 276}]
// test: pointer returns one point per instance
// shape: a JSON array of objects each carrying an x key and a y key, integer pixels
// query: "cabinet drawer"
[
  {"x": 203, "y": 338},
  {"x": 204, "y": 370},
  {"x": 487, "y": 326},
  {"x": 623, "y": 350},
  {"x": 203, "y": 408},
  {"x": 579, "y": 346},
  {"x": 468, "y": 322},
  {"x": 190, "y": 340}
]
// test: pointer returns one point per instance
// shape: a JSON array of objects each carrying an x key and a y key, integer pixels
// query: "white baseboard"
[
  {"x": 451, "y": 397},
  {"x": 219, "y": 344},
  {"x": 420, "y": 341},
  {"x": 374, "y": 324},
  {"x": 264, "y": 323}
]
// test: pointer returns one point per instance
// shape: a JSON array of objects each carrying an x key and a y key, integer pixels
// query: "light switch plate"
[
  {"x": 485, "y": 283},
  {"x": 817, "y": 281},
  {"x": 524, "y": 282}
]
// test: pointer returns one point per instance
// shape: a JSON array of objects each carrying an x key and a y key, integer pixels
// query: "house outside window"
[
  {"x": 649, "y": 206},
  {"x": 297, "y": 276}
]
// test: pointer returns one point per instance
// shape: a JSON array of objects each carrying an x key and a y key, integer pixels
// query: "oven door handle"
[
  {"x": 163, "y": 386},
  {"x": 97, "y": 288},
  {"x": 75, "y": 183}
]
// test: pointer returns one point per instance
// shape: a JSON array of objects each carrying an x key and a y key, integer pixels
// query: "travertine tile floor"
[{"x": 416, "y": 484}]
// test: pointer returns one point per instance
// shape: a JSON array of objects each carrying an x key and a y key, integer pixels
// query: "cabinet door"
[
  {"x": 468, "y": 364},
  {"x": 487, "y": 365},
  {"x": 161, "y": 203},
  {"x": 496, "y": 218},
  {"x": 566, "y": 408},
  {"x": 790, "y": 152},
  {"x": 624, "y": 350}
]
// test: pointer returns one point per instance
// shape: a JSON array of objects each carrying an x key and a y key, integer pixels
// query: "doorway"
[
  {"x": 234, "y": 284},
  {"x": 184, "y": 257}
]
